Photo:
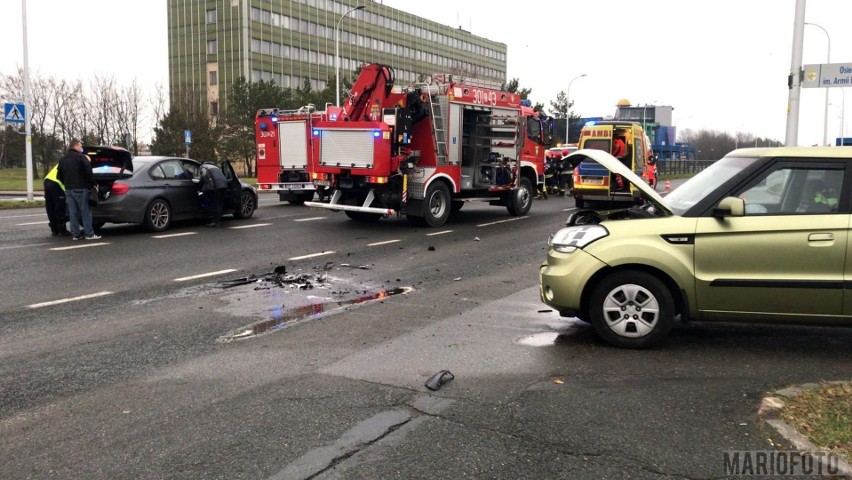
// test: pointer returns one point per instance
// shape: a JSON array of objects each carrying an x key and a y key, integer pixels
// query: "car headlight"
[{"x": 569, "y": 239}]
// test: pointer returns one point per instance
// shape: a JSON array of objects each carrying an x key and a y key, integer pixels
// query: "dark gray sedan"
[{"x": 156, "y": 191}]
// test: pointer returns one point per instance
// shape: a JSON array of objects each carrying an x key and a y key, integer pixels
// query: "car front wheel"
[{"x": 631, "y": 309}]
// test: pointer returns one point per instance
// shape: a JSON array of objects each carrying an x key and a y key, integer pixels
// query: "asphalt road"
[{"x": 153, "y": 370}]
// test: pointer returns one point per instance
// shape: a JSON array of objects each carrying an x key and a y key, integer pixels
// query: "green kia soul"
[{"x": 762, "y": 235}]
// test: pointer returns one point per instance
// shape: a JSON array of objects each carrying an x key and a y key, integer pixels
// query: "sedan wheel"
[
  {"x": 632, "y": 309},
  {"x": 158, "y": 216}
]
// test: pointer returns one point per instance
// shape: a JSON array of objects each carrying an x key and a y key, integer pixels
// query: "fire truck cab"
[{"x": 423, "y": 151}]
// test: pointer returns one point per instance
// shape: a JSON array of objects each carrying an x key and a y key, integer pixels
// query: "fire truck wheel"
[
  {"x": 437, "y": 204},
  {"x": 521, "y": 201}
]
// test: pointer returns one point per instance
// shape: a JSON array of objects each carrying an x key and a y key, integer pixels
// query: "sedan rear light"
[{"x": 119, "y": 188}]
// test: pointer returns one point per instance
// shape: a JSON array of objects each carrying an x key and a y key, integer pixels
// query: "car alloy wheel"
[
  {"x": 158, "y": 217},
  {"x": 631, "y": 308}
]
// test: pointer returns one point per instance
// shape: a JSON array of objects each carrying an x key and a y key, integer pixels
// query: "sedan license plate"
[{"x": 593, "y": 180}]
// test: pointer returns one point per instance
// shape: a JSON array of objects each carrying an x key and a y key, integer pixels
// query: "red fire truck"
[
  {"x": 423, "y": 151},
  {"x": 283, "y": 155}
]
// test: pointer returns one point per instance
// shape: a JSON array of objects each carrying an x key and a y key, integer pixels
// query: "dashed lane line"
[
  {"x": 170, "y": 235},
  {"x": 204, "y": 275},
  {"x": 253, "y": 225},
  {"x": 439, "y": 233},
  {"x": 501, "y": 221},
  {"x": 71, "y": 299},
  {"x": 82, "y": 244},
  {"x": 30, "y": 223},
  {"x": 309, "y": 219},
  {"x": 386, "y": 242},
  {"x": 312, "y": 255}
]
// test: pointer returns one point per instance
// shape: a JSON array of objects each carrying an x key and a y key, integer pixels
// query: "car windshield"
[{"x": 696, "y": 188}]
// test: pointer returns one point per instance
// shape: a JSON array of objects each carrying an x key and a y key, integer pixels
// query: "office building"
[{"x": 212, "y": 43}]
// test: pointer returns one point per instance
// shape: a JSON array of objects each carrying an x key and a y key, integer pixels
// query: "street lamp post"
[
  {"x": 28, "y": 108},
  {"x": 337, "y": 51},
  {"x": 828, "y": 60},
  {"x": 567, "y": 106}
]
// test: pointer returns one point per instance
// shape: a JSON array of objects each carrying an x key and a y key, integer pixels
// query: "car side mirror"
[
  {"x": 730, "y": 207},
  {"x": 196, "y": 180}
]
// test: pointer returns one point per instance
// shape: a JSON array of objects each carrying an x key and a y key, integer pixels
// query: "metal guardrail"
[{"x": 681, "y": 167}]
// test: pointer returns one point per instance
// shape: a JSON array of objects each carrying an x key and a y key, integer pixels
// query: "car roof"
[
  {"x": 803, "y": 153},
  {"x": 157, "y": 158}
]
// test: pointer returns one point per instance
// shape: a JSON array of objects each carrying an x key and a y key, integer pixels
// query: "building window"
[
  {"x": 214, "y": 78},
  {"x": 211, "y": 16},
  {"x": 211, "y": 47},
  {"x": 214, "y": 108}
]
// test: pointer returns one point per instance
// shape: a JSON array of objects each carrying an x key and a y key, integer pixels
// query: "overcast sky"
[{"x": 721, "y": 64}]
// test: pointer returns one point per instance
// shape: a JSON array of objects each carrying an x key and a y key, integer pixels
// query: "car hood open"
[
  {"x": 107, "y": 158},
  {"x": 614, "y": 165}
]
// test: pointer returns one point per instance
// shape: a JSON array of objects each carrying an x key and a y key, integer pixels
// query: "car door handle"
[{"x": 820, "y": 237}]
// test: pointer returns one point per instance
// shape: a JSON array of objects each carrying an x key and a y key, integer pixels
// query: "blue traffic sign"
[
  {"x": 187, "y": 137},
  {"x": 14, "y": 112}
]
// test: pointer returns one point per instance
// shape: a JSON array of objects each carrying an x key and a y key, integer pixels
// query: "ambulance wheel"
[
  {"x": 437, "y": 204},
  {"x": 521, "y": 200}
]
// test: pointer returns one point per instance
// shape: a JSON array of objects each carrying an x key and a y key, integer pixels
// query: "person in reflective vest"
[{"x": 54, "y": 203}]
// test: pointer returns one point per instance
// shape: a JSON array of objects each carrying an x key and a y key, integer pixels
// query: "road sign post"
[{"x": 187, "y": 140}]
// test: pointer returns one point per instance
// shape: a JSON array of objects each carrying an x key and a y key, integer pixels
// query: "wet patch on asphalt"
[{"x": 281, "y": 299}]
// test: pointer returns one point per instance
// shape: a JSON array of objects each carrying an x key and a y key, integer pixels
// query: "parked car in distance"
[
  {"x": 157, "y": 191},
  {"x": 762, "y": 235}
]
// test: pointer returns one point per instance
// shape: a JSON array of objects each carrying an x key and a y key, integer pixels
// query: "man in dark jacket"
[
  {"x": 75, "y": 172},
  {"x": 214, "y": 186}
]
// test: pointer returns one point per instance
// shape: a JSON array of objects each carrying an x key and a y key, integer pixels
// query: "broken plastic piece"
[{"x": 438, "y": 379}]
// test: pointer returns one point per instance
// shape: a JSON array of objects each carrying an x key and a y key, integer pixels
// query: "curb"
[{"x": 770, "y": 411}]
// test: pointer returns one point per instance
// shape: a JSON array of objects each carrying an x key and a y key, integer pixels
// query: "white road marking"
[
  {"x": 313, "y": 255},
  {"x": 170, "y": 235},
  {"x": 382, "y": 243},
  {"x": 81, "y": 244},
  {"x": 26, "y": 246},
  {"x": 253, "y": 225},
  {"x": 438, "y": 233},
  {"x": 23, "y": 216},
  {"x": 66, "y": 300},
  {"x": 501, "y": 221},
  {"x": 203, "y": 275},
  {"x": 30, "y": 223},
  {"x": 310, "y": 219}
]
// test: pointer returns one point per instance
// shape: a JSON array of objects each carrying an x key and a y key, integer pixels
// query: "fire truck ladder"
[{"x": 439, "y": 133}]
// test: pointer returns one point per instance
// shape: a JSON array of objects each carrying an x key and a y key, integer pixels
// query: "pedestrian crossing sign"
[{"x": 14, "y": 112}]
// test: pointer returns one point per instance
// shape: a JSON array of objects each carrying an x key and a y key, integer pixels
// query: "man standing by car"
[
  {"x": 75, "y": 172},
  {"x": 214, "y": 185},
  {"x": 54, "y": 203}
]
